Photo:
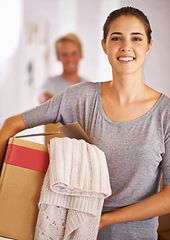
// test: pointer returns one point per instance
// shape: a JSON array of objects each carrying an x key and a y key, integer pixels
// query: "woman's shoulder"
[
  {"x": 84, "y": 88},
  {"x": 159, "y": 99},
  {"x": 165, "y": 100},
  {"x": 88, "y": 84},
  {"x": 162, "y": 107}
]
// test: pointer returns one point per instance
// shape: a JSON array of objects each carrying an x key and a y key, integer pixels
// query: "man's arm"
[{"x": 44, "y": 97}]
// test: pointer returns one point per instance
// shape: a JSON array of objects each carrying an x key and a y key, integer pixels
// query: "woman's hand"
[
  {"x": 103, "y": 222},
  {"x": 9, "y": 128}
]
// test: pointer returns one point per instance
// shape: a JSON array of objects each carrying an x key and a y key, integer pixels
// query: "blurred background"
[{"x": 28, "y": 32}]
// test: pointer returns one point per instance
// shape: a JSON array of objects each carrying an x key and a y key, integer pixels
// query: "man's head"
[{"x": 69, "y": 52}]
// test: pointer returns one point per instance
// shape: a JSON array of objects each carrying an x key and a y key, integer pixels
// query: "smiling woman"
[
  {"x": 10, "y": 24},
  {"x": 128, "y": 121}
]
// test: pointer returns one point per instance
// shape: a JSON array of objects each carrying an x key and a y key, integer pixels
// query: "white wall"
[{"x": 46, "y": 20}]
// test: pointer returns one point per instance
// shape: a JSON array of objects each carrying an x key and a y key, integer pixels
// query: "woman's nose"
[{"x": 126, "y": 47}]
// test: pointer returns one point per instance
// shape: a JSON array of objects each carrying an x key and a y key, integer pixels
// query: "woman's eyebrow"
[
  {"x": 137, "y": 33},
  {"x": 119, "y": 33}
]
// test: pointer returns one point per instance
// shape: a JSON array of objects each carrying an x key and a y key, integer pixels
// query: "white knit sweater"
[{"x": 73, "y": 191}]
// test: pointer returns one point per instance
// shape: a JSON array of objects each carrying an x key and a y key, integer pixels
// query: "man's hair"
[{"x": 68, "y": 37}]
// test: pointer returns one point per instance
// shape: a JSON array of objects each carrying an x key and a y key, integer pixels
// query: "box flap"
[{"x": 74, "y": 130}]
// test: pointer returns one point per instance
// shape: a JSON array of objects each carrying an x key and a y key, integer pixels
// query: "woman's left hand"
[{"x": 102, "y": 222}]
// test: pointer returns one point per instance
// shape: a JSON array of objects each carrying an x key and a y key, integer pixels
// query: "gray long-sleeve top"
[{"x": 136, "y": 151}]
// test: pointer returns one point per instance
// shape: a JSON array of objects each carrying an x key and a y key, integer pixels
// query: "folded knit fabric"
[{"x": 74, "y": 188}]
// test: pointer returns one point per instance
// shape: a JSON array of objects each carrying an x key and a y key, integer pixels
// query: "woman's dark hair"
[{"x": 127, "y": 11}]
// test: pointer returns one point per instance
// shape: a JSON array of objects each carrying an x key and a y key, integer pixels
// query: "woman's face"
[{"x": 126, "y": 45}]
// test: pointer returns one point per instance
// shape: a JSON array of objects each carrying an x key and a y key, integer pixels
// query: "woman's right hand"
[{"x": 9, "y": 128}]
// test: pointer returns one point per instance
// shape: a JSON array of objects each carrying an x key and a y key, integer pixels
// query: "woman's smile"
[{"x": 125, "y": 59}]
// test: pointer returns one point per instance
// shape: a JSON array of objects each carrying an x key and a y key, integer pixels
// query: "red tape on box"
[{"x": 27, "y": 158}]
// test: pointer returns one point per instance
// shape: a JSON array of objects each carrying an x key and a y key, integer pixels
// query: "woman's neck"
[{"x": 126, "y": 89}]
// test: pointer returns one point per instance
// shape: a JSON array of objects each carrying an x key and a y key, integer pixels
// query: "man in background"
[{"x": 68, "y": 50}]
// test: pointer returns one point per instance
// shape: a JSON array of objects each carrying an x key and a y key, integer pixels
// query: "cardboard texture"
[
  {"x": 164, "y": 220},
  {"x": 49, "y": 128},
  {"x": 164, "y": 235},
  {"x": 72, "y": 130},
  {"x": 21, "y": 180}
]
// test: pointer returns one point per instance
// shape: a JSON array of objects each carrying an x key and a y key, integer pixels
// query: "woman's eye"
[
  {"x": 116, "y": 39},
  {"x": 136, "y": 39}
]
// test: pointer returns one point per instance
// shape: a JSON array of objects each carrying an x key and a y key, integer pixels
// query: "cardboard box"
[
  {"x": 21, "y": 179},
  {"x": 164, "y": 220},
  {"x": 52, "y": 128},
  {"x": 72, "y": 130},
  {"x": 164, "y": 235},
  {"x": 164, "y": 223}
]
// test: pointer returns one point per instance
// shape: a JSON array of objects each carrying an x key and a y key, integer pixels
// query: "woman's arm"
[
  {"x": 9, "y": 128},
  {"x": 157, "y": 205}
]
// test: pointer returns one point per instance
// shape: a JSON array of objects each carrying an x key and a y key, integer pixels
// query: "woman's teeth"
[{"x": 126, "y": 59}]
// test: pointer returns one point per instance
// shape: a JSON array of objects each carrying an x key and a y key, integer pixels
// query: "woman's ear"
[
  {"x": 149, "y": 47},
  {"x": 104, "y": 46},
  {"x": 81, "y": 55}
]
